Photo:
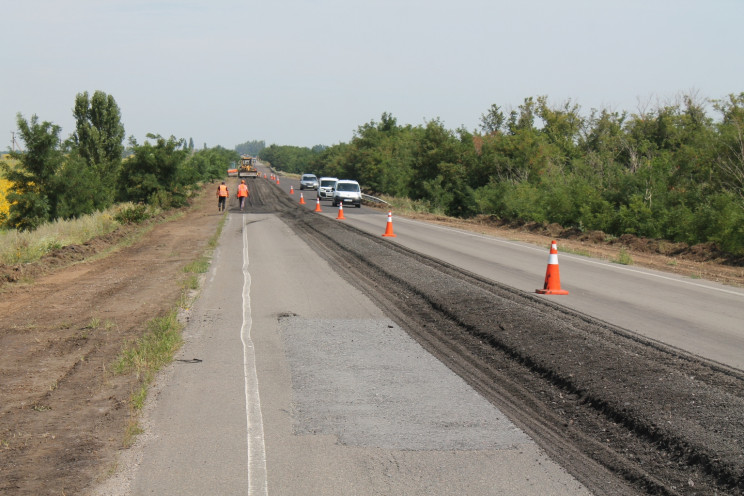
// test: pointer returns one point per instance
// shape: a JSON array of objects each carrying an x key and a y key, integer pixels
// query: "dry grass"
[{"x": 29, "y": 246}]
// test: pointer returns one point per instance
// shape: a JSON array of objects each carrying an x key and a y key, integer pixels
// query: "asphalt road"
[
  {"x": 701, "y": 317},
  {"x": 302, "y": 386},
  {"x": 292, "y": 382}
]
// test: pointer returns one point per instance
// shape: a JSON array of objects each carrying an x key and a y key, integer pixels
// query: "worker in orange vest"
[
  {"x": 242, "y": 193},
  {"x": 222, "y": 195}
]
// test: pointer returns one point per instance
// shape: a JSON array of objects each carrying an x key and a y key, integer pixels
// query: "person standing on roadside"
[
  {"x": 222, "y": 195},
  {"x": 242, "y": 193}
]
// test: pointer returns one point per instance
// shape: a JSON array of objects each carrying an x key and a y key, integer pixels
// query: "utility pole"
[{"x": 13, "y": 143}]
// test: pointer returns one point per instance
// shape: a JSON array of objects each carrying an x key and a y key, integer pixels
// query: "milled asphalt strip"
[{"x": 257, "y": 479}]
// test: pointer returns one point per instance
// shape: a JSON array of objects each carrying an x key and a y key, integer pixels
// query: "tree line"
[
  {"x": 669, "y": 172},
  {"x": 91, "y": 169},
  {"x": 252, "y": 147}
]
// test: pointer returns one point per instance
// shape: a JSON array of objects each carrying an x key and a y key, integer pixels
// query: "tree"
[
  {"x": 207, "y": 165},
  {"x": 493, "y": 120},
  {"x": 252, "y": 148},
  {"x": 731, "y": 157},
  {"x": 153, "y": 169},
  {"x": 82, "y": 193},
  {"x": 33, "y": 199},
  {"x": 98, "y": 139},
  {"x": 562, "y": 126}
]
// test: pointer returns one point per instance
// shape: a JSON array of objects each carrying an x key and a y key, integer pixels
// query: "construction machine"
[{"x": 247, "y": 167}]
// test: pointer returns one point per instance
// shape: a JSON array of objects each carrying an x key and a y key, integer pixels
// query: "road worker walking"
[
  {"x": 242, "y": 193},
  {"x": 222, "y": 195}
]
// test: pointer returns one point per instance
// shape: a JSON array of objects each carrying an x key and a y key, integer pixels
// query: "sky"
[{"x": 305, "y": 73}]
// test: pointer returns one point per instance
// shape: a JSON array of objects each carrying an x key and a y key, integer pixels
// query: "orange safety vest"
[
  {"x": 242, "y": 190},
  {"x": 222, "y": 190}
]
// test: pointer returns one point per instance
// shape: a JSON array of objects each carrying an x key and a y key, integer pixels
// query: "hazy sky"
[{"x": 295, "y": 72}]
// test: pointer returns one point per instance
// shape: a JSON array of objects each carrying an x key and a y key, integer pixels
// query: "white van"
[
  {"x": 325, "y": 187},
  {"x": 347, "y": 191}
]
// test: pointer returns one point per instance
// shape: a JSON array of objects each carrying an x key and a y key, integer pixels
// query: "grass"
[
  {"x": 623, "y": 257},
  {"x": 153, "y": 350},
  {"x": 198, "y": 266},
  {"x": 29, "y": 246},
  {"x": 94, "y": 323},
  {"x": 145, "y": 357},
  {"x": 575, "y": 251},
  {"x": 212, "y": 244},
  {"x": 132, "y": 431},
  {"x": 17, "y": 247},
  {"x": 191, "y": 283}
]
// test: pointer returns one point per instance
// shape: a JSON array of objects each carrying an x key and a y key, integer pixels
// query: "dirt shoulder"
[{"x": 63, "y": 412}]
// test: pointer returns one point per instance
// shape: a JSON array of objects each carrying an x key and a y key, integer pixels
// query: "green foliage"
[
  {"x": 208, "y": 165},
  {"x": 54, "y": 180},
  {"x": 153, "y": 350},
  {"x": 98, "y": 140},
  {"x": 152, "y": 168},
  {"x": 198, "y": 266},
  {"x": 28, "y": 210},
  {"x": 293, "y": 159},
  {"x": 33, "y": 199},
  {"x": 83, "y": 192},
  {"x": 623, "y": 257},
  {"x": 133, "y": 214},
  {"x": 670, "y": 172}
]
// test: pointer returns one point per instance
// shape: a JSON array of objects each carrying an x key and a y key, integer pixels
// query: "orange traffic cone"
[
  {"x": 552, "y": 275},
  {"x": 389, "y": 229},
  {"x": 291, "y": 191},
  {"x": 317, "y": 205},
  {"x": 302, "y": 199},
  {"x": 340, "y": 212},
  {"x": 277, "y": 180}
]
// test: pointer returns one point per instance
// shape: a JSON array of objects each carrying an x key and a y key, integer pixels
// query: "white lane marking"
[
  {"x": 257, "y": 479},
  {"x": 579, "y": 258}
]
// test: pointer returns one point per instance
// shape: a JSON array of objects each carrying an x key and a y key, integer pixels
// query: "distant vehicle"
[
  {"x": 309, "y": 181},
  {"x": 247, "y": 167},
  {"x": 347, "y": 191},
  {"x": 325, "y": 188}
]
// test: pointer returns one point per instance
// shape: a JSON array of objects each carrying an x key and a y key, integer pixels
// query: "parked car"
[
  {"x": 325, "y": 187},
  {"x": 309, "y": 181},
  {"x": 347, "y": 191}
]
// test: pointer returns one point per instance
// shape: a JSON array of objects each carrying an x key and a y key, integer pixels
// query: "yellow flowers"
[{"x": 4, "y": 204}]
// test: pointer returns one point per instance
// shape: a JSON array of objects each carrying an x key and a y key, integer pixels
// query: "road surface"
[
  {"x": 349, "y": 404},
  {"x": 698, "y": 316},
  {"x": 336, "y": 399}
]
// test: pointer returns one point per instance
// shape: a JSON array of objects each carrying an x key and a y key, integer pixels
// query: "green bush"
[{"x": 133, "y": 214}]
